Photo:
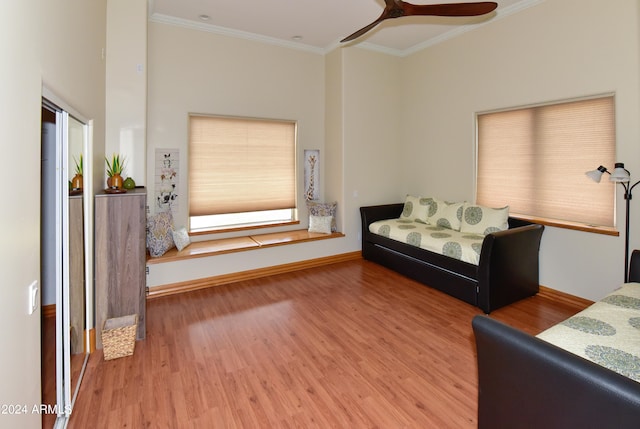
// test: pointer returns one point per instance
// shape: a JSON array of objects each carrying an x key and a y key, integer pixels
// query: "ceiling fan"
[{"x": 399, "y": 8}]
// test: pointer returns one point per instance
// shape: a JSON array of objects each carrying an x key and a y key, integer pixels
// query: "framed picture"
[
  {"x": 166, "y": 179},
  {"x": 311, "y": 174}
]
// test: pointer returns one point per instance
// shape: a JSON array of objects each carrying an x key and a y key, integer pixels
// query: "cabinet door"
[{"x": 120, "y": 258}]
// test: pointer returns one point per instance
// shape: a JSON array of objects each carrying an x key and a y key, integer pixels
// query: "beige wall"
[
  {"x": 200, "y": 72},
  {"x": 384, "y": 124},
  {"x": 371, "y": 132},
  {"x": 379, "y": 130},
  {"x": 556, "y": 50},
  {"x": 73, "y": 36},
  {"x": 126, "y": 87},
  {"x": 194, "y": 71},
  {"x": 334, "y": 115},
  {"x": 342, "y": 108},
  {"x": 362, "y": 132},
  {"x": 58, "y": 45},
  {"x": 20, "y": 102}
]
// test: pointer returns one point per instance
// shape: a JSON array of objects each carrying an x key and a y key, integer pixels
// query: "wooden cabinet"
[{"x": 120, "y": 253}]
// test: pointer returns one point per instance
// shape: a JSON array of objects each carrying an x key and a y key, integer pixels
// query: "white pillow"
[
  {"x": 324, "y": 209},
  {"x": 181, "y": 237},
  {"x": 321, "y": 224},
  {"x": 415, "y": 208},
  {"x": 478, "y": 219},
  {"x": 445, "y": 214}
]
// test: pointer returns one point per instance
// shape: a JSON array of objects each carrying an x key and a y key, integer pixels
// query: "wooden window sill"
[
  {"x": 596, "y": 229},
  {"x": 200, "y": 249}
]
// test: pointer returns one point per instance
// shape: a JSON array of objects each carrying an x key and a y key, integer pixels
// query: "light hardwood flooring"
[
  {"x": 48, "y": 367},
  {"x": 348, "y": 345}
]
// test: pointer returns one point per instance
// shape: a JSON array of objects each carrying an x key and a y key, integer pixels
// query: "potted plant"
[
  {"x": 76, "y": 182},
  {"x": 115, "y": 167}
]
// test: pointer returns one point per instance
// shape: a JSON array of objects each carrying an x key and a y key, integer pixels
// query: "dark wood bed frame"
[{"x": 507, "y": 271}]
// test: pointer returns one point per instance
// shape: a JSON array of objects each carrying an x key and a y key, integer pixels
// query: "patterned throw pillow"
[
  {"x": 159, "y": 237},
  {"x": 444, "y": 214},
  {"x": 324, "y": 209},
  {"x": 181, "y": 237},
  {"x": 321, "y": 224},
  {"x": 484, "y": 220},
  {"x": 415, "y": 208}
]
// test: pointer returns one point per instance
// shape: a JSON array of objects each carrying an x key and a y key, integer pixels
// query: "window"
[
  {"x": 534, "y": 159},
  {"x": 241, "y": 172}
]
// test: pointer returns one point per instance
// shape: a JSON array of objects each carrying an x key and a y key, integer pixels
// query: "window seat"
[{"x": 199, "y": 249}]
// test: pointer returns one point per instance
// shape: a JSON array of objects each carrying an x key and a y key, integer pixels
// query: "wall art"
[
  {"x": 166, "y": 179},
  {"x": 311, "y": 174}
]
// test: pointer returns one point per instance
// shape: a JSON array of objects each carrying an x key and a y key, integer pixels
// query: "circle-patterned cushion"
[{"x": 478, "y": 219}]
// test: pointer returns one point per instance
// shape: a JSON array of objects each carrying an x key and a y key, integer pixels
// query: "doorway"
[{"x": 66, "y": 262}]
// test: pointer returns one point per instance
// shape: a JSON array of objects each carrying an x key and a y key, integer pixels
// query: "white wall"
[{"x": 555, "y": 50}]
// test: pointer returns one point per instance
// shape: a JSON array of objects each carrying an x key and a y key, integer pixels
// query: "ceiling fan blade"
[
  {"x": 392, "y": 9},
  {"x": 451, "y": 9},
  {"x": 362, "y": 30},
  {"x": 399, "y": 8}
]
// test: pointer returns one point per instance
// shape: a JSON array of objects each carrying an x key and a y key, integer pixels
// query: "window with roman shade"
[
  {"x": 534, "y": 160},
  {"x": 241, "y": 165}
]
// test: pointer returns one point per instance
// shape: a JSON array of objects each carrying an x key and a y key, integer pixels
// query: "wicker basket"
[{"x": 119, "y": 336}]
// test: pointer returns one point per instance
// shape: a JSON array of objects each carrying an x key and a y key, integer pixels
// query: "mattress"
[
  {"x": 606, "y": 333},
  {"x": 455, "y": 244}
]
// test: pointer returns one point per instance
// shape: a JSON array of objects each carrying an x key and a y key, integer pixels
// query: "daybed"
[
  {"x": 506, "y": 270},
  {"x": 581, "y": 373}
]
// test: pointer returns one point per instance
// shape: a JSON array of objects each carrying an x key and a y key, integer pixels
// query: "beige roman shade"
[
  {"x": 534, "y": 160},
  {"x": 240, "y": 165}
]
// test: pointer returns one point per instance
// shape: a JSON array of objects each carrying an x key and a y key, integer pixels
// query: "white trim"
[
  {"x": 500, "y": 14},
  {"x": 185, "y": 23},
  {"x": 382, "y": 49},
  {"x": 547, "y": 103},
  {"x": 62, "y": 105},
  {"x": 64, "y": 393}
]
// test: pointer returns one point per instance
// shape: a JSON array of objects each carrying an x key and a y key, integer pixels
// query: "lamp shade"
[
  {"x": 596, "y": 174},
  {"x": 620, "y": 174}
]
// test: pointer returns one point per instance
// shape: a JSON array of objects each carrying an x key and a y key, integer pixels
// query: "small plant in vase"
[
  {"x": 76, "y": 182},
  {"x": 115, "y": 167}
]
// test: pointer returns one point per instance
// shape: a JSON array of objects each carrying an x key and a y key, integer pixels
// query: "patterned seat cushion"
[
  {"x": 607, "y": 332},
  {"x": 455, "y": 244}
]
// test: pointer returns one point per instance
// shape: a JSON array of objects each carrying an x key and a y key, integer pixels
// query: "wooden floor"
[
  {"x": 48, "y": 368},
  {"x": 349, "y": 345}
]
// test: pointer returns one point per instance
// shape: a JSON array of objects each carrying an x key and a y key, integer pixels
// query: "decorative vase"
[
  {"x": 129, "y": 183},
  {"x": 115, "y": 182},
  {"x": 76, "y": 182}
]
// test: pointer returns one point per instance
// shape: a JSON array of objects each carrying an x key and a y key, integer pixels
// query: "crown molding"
[
  {"x": 500, "y": 14},
  {"x": 382, "y": 49},
  {"x": 185, "y": 23}
]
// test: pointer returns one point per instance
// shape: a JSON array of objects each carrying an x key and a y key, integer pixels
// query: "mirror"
[
  {"x": 77, "y": 296},
  {"x": 66, "y": 257}
]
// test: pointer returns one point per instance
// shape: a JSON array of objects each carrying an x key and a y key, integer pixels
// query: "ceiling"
[{"x": 321, "y": 24}]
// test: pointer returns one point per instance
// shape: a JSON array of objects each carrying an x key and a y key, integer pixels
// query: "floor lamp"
[{"x": 619, "y": 175}]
